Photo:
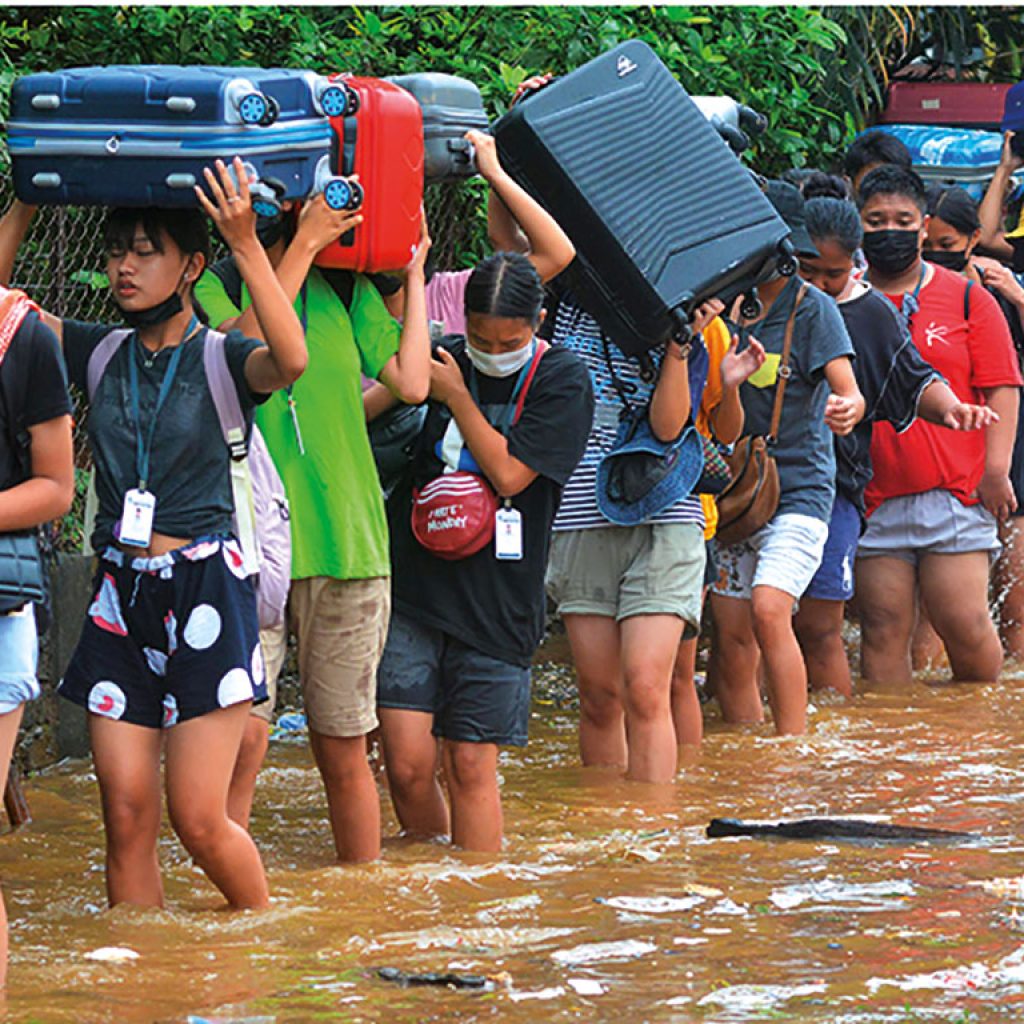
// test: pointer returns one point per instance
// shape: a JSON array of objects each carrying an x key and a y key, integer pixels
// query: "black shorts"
[
  {"x": 474, "y": 697},
  {"x": 170, "y": 638}
]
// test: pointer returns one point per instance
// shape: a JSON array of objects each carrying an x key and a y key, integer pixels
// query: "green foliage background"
[{"x": 818, "y": 73}]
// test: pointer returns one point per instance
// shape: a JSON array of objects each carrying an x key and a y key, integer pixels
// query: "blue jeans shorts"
[
  {"x": 474, "y": 697},
  {"x": 834, "y": 579},
  {"x": 170, "y": 638},
  {"x": 18, "y": 654}
]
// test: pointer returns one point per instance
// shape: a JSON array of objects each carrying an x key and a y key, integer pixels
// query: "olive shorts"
[
  {"x": 622, "y": 571},
  {"x": 341, "y": 627}
]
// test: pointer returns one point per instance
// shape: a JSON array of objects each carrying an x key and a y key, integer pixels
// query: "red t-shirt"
[{"x": 971, "y": 354}]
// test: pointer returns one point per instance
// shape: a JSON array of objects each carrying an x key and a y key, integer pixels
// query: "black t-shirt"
[
  {"x": 33, "y": 389},
  {"x": 189, "y": 464},
  {"x": 891, "y": 375},
  {"x": 494, "y": 605}
]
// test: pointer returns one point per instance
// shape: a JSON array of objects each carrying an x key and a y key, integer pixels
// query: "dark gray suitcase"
[
  {"x": 663, "y": 216},
  {"x": 451, "y": 107}
]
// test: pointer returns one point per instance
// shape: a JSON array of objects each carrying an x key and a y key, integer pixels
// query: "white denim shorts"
[
  {"x": 930, "y": 523},
  {"x": 18, "y": 655},
  {"x": 785, "y": 555}
]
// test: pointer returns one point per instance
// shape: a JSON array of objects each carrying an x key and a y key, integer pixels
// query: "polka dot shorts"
[{"x": 170, "y": 638}]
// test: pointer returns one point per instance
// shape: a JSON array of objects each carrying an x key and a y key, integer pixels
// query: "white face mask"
[{"x": 503, "y": 365}]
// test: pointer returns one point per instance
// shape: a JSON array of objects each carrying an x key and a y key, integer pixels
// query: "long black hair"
[
  {"x": 186, "y": 228},
  {"x": 505, "y": 284},
  {"x": 956, "y": 207}
]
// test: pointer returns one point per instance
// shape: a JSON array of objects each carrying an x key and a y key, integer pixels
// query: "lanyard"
[
  {"x": 143, "y": 446},
  {"x": 910, "y": 304},
  {"x": 289, "y": 397},
  {"x": 505, "y": 420}
]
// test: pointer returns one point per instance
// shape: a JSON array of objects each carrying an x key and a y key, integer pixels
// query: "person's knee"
[
  {"x": 647, "y": 693},
  {"x": 600, "y": 702},
  {"x": 967, "y": 628},
  {"x": 409, "y": 772},
  {"x": 818, "y": 636},
  {"x": 470, "y": 766},
  {"x": 771, "y": 616},
  {"x": 198, "y": 828},
  {"x": 130, "y": 819},
  {"x": 255, "y": 741},
  {"x": 343, "y": 762}
]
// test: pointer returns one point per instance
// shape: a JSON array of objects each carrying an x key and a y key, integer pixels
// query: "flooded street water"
[{"x": 609, "y": 903}]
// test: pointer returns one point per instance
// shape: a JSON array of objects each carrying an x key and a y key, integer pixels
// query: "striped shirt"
[{"x": 579, "y": 332}]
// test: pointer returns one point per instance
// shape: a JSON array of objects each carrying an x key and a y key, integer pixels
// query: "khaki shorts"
[
  {"x": 341, "y": 627},
  {"x": 634, "y": 570},
  {"x": 274, "y": 645}
]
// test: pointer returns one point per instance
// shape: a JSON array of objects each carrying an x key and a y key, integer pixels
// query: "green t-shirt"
[{"x": 337, "y": 512}]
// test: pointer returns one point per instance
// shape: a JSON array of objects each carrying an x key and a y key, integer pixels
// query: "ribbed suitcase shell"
[
  {"x": 662, "y": 214},
  {"x": 140, "y": 135},
  {"x": 451, "y": 107},
  {"x": 965, "y": 104},
  {"x": 383, "y": 144}
]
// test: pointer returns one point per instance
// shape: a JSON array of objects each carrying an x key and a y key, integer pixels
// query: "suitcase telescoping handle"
[{"x": 465, "y": 153}]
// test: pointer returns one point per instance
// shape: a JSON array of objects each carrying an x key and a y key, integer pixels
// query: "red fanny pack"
[{"x": 453, "y": 514}]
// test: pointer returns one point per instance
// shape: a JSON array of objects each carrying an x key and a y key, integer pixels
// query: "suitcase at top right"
[
  {"x": 662, "y": 214},
  {"x": 963, "y": 104}
]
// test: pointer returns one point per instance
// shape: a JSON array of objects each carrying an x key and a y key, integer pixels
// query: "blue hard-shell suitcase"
[
  {"x": 967, "y": 157},
  {"x": 662, "y": 214},
  {"x": 141, "y": 135}
]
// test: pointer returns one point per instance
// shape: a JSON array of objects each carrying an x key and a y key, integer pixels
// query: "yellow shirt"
[{"x": 717, "y": 341}]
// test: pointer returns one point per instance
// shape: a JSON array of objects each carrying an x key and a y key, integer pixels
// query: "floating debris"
[
  {"x": 112, "y": 954},
  {"x": 593, "y": 952},
  {"x": 446, "y": 979},
  {"x": 834, "y": 828}
]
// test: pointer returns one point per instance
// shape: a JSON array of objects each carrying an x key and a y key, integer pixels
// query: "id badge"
[
  {"x": 508, "y": 534},
  {"x": 137, "y": 518}
]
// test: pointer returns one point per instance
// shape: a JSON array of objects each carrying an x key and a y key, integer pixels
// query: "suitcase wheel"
[
  {"x": 341, "y": 194},
  {"x": 257, "y": 108},
  {"x": 787, "y": 265},
  {"x": 750, "y": 307},
  {"x": 269, "y": 208},
  {"x": 339, "y": 100}
]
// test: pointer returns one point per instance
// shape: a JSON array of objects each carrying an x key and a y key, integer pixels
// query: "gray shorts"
[
  {"x": 931, "y": 523},
  {"x": 274, "y": 645},
  {"x": 621, "y": 571}
]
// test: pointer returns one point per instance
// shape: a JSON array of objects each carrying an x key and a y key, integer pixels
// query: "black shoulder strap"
[
  {"x": 342, "y": 282},
  {"x": 967, "y": 301}
]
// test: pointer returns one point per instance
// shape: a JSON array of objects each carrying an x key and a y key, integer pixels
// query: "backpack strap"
[
  {"x": 542, "y": 347},
  {"x": 967, "y": 301},
  {"x": 14, "y": 307},
  {"x": 99, "y": 358},
  {"x": 226, "y": 271},
  {"x": 224, "y": 395},
  {"x": 785, "y": 371},
  {"x": 232, "y": 426}
]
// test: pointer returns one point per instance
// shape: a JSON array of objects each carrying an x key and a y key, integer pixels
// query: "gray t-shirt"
[
  {"x": 804, "y": 451},
  {"x": 189, "y": 462}
]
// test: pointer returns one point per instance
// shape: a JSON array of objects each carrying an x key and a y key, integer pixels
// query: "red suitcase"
[
  {"x": 963, "y": 104},
  {"x": 382, "y": 143}
]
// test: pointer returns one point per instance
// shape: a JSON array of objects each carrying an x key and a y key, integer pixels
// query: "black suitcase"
[{"x": 662, "y": 214}]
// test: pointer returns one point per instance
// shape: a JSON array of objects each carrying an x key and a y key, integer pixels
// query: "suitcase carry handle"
[{"x": 464, "y": 151}]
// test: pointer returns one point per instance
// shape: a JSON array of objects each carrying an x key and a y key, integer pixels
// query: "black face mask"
[
  {"x": 951, "y": 259},
  {"x": 162, "y": 311},
  {"x": 270, "y": 230},
  {"x": 892, "y": 251}
]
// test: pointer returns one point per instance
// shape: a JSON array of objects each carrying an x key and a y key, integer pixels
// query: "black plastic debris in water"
[
  {"x": 449, "y": 979},
  {"x": 834, "y": 828}
]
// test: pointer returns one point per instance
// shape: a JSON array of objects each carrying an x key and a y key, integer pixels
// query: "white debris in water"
[
  {"x": 977, "y": 975},
  {"x": 112, "y": 954},
  {"x": 728, "y": 906},
  {"x": 703, "y": 890},
  {"x": 693, "y": 940},
  {"x": 653, "y": 904},
  {"x": 592, "y": 952},
  {"x": 759, "y": 997},
  {"x": 446, "y": 937},
  {"x": 586, "y": 987},
  {"x": 543, "y": 993},
  {"x": 866, "y": 895}
]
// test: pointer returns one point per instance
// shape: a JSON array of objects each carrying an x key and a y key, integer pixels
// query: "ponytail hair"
[
  {"x": 505, "y": 284},
  {"x": 837, "y": 220}
]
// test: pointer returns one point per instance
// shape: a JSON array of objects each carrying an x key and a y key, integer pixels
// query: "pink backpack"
[{"x": 261, "y": 506}]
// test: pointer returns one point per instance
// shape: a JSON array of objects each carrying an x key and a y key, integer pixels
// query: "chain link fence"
[{"x": 60, "y": 265}]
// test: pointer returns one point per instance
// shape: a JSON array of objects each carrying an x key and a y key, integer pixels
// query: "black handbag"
[{"x": 21, "y": 571}]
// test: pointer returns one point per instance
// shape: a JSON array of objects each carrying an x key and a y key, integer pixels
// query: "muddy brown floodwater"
[{"x": 609, "y": 904}]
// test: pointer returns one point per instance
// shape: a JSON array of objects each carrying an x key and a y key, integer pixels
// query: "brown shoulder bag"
[{"x": 750, "y": 501}]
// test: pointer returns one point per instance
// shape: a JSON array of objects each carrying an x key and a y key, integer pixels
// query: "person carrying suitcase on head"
[
  {"x": 339, "y": 601},
  {"x": 762, "y": 577},
  {"x": 169, "y": 659},
  {"x": 505, "y": 427}
]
